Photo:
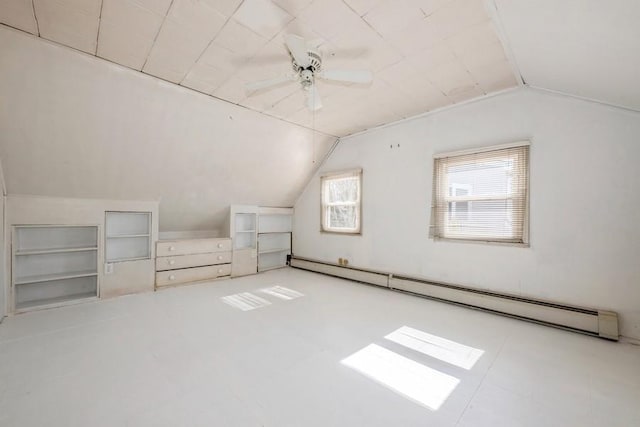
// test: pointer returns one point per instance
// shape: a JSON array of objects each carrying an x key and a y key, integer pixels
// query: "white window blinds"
[
  {"x": 482, "y": 195},
  {"x": 341, "y": 197}
]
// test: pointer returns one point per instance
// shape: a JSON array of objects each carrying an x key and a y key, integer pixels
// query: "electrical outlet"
[{"x": 108, "y": 268}]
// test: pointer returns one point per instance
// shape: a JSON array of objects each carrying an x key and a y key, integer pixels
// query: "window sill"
[
  {"x": 344, "y": 233},
  {"x": 481, "y": 242}
]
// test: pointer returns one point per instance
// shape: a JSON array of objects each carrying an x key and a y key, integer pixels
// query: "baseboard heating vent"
[{"x": 600, "y": 323}]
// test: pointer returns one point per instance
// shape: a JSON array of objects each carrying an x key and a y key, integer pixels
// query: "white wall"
[
  {"x": 585, "y": 236},
  {"x": 3, "y": 262},
  {"x": 77, "y": 126}
]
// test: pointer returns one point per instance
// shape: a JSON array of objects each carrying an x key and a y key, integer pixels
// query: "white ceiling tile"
[
  {"x": 289, "y": 105},
  {"x": 473, "y": 38},
  {"x": 131, "y": 17},
  {"x": 205, "y": 78},
  {"x": 292, "y": 6},
  {"x": 303, "y": 117},
  {"x": 240, "y": 39},
  {"x": 402, "y": 70},
  {"x": 429, "y": 7},
  {"x": 458, "y": 15},
  {"x": 361, "y": 7},
  {"x": 465, "y": 95},
  {"x": 262, "y": 17},
  {"x": 222, "y": 58},
  {"x": 232, "y": 90},
  {"x": 451, "y": 77},
  {"x": 160, "y": 7},
  {"x": 120, "y": 46},
  {"x": 330, "y": 17},
  {"x": 428, "y": 59},
  {"x": 495, "y": 77},
  {"x": 187, "y": 31},
  {"x": 196, "y": 15},
  {"x": 419, "y": 35},
  {"x": 266, "y": 99},
  {"x": 393, "y": 16},
  {"x": 484, "y": 56},
  {"x": 72, "y": 23},
  {"x": 226, "y": 7},
  {"x": 19, "y": 14}
]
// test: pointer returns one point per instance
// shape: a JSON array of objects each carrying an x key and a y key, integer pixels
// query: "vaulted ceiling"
[{"x": 425, "y": 54}]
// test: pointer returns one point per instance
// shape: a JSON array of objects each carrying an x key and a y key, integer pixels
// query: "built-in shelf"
[
  {"x": 129, "y": 259},
  {"x": 54, "y": 251},
  {"x": 128, "y": 236},
  {"x": 55, "y": 302},
  {"x": 271, "y": 251},
  {"x": 52, "y": 277}
]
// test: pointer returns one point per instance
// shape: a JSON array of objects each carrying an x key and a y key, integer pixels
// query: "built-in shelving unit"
[
  {"x": 52, "y": 265},
  {"x": 128, "y": 236},
  {"x": 243, "y": 227},
  {"x": 274, "y": 237}
]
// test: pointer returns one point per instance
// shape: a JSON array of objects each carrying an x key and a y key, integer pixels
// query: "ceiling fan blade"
[
  {"x": 268, "y": 83},
  {"x": 298, "y": 48},
  {"x": 348, "y": 76},
  {"x": 314, "y": 103}
]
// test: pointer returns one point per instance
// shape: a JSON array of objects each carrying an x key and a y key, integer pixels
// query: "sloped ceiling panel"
[
  {"x": 424, "y": 54},
  {"x": 76, "y": 126},
  {"x": 588, "y": 48}
]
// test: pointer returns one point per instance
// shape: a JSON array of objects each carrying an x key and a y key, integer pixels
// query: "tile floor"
[{"x": 320, "y": 352}]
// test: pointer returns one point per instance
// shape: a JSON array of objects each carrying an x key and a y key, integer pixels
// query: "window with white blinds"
[
  {"x": 482, "y": 195},
  {"x": 341, "y": 202}
]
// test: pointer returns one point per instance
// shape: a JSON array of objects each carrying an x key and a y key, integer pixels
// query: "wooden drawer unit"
[
  {"x": 195, "y": 260},
  {"x": 195, "y": 274},
  {"x": 192, "y": 260},
  {"x": 192, "y": 246}
]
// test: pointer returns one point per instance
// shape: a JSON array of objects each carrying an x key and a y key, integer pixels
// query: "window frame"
[
  {"x": 434, "y": 226},
  {"x": 324, "y": 228}
]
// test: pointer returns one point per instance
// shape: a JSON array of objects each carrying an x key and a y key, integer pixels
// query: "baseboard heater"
[{"x": 600, "y": 323}]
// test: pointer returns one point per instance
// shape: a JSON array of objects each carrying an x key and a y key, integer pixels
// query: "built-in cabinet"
[
  {"x": 128, "y": 236},
  {"x": 192, "y": 260},
  {"x": 243, "y": 229},
  {"x": 53, "y": 265},
  {"x": 261, "y": 238},
  {"x": 274, "y": 237}
]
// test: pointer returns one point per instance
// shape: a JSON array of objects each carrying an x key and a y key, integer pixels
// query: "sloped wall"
[
  {"x": 73, "y": 125},
  {"x": 585, "y": 237}
]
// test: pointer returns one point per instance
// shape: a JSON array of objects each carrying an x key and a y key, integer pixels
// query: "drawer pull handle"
[
  {"x": 172, "y": 248},
  {"x": 220, "y": 245},
  {"x": 219, "y": 257},
  {"x": 171, "y": 261},
  {"x": 220, "y": 270},
  {"x": 172, "y": 277}
]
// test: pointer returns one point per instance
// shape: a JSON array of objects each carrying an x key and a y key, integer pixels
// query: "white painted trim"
[
  {"x": 436, "y": 111},
  {"x": 582, "y": 98},
  {"x": 4, "y": 184},
  {"x": 482, "y": 149},
  {"x": 494, "y": 14}
]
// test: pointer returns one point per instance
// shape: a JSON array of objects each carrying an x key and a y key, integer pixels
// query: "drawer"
[
  {"x": 196, "y": 260},
  {"x": 174, "y": 277},
  {"x": 191, "y": 246}
]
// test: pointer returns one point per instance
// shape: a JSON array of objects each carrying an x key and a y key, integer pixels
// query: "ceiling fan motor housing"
[{"x": 306, "y": 74}]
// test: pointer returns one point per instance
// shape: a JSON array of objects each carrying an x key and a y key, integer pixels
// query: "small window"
[
  {"x": 341, "y": 202},
  {"x": 482, "y": 195}
]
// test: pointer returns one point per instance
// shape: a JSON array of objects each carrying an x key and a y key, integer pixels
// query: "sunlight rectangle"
[
  {"x": 282, "y": 292},
  {"x": 417, "y": 382},
  {"x": 440, "y": 348},
  {"x": 245, "y": 301}
]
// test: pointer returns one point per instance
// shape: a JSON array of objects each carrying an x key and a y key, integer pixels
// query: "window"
[
  {"x": 482, "y": 194},
  {"x": 341, "y": 202}
]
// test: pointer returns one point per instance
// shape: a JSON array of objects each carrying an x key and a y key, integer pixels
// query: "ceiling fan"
[{"x": 306, "y": 61}]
